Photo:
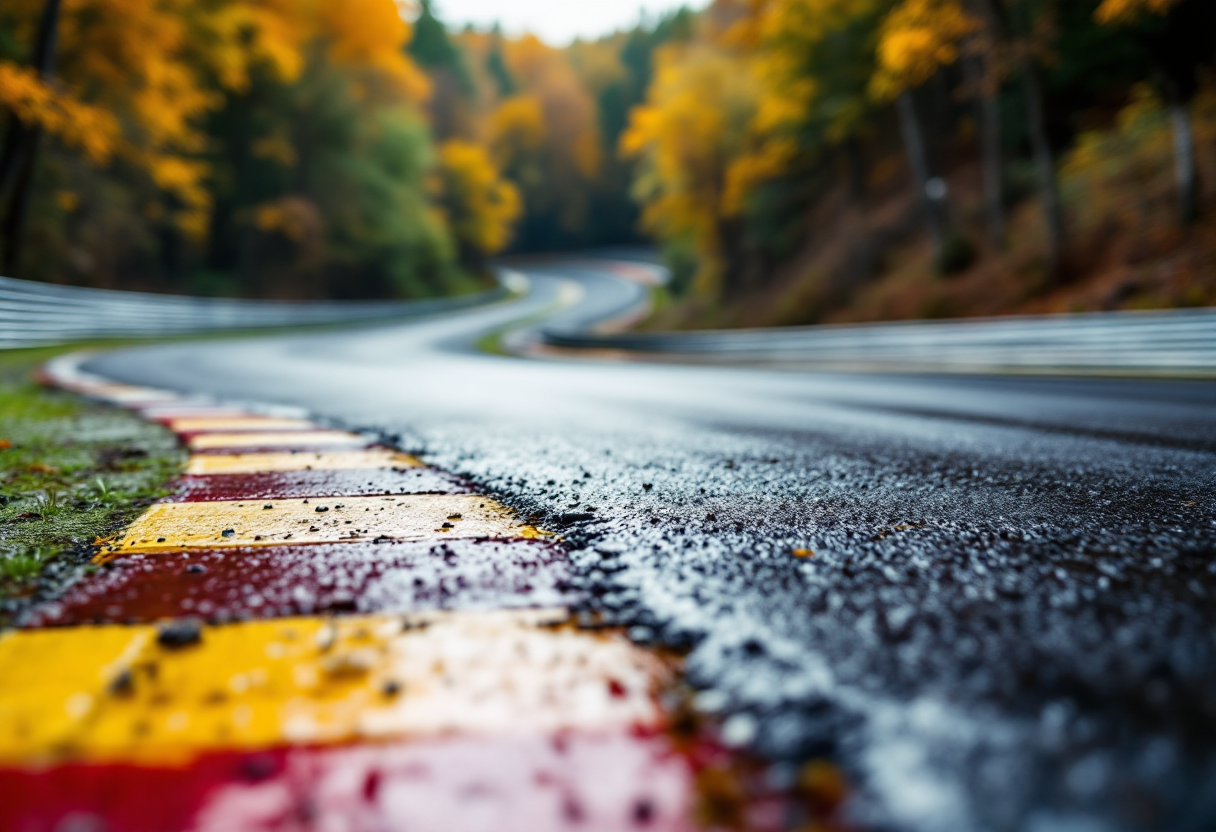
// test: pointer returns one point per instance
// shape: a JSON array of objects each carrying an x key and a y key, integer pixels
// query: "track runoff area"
[{"x": 319, "y": 632}]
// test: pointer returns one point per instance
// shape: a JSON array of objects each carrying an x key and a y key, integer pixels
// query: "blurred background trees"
[
  {"x": 795, "y": 160},
  {"x": 930, "y": 158},
  {"x": 256, "y": 147}
]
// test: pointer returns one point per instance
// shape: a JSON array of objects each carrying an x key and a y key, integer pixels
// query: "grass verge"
[
  {"x": 491, "y": 342},
  {"x": 70, "y": 471}
]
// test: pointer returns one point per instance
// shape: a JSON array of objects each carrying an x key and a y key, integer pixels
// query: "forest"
[
  {"x": 793, "y": 161},
  {"x": 810, "y": 161}
]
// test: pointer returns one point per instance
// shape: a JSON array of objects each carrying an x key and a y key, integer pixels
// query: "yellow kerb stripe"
[
  {"x": 301, "y": 438},
  {"x": 169, "y": 527},
  {"x": 115, "y": 693},
  {"x": 278, "y": 461},
  {"x": 191, "y": 424},
  {"x": 53, "y": 680},
  {"x": 125, "y": 393}
]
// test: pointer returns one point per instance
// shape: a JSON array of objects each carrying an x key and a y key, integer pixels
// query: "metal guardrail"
[
  {"x": 1176, "y": 342},
  {"x": 35, "y": 314}
]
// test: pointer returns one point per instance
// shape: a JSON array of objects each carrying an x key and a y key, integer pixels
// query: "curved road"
[{"x": 1008, "y": 621}]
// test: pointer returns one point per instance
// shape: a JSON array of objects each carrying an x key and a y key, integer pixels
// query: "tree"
[
  {"x": 496, "y": 65},
  {"x": 517, "y": 138},
  {"x": 556, "y": 178},
  {"x": 1017, "y": 26},
  {"x": 21, "y": 145},
  {"x": 478, "y": 205},
  {"x": 812, "y": 61},
  {"x": 320, "y": 181},
  {"x": 445, "y": 64},
  {"x": 916, "y": 40},
  {"x": 177, "y": 127},
  {"x": 692, "y": 128},
  {"x": 1183, "y": 40},
  {"x": 984, "y": 76}
]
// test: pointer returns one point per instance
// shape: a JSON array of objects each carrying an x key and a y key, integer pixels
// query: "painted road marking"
[
  {"x": 126, "y": 394},
  {"x": 128, "y": 694},
  {"x": 270, "y": 582},
  {"x": 208, "y": 424},
  {"x": 51, "y": 685},
  {"x": 607, "y": 783},
  {"x": 610, "y": 782},
  {"x": 456, "y": 718},
  {"x": 169, "y": 527},
  {"x": 276, "y": 439},
  {"x": 274, "y": 461},
  {"x": 336, "y": 483},
  {"x": 183, "y": 409}
]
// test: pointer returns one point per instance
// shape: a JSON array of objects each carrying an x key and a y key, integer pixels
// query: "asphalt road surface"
[{"x": 1008, "y": 621}]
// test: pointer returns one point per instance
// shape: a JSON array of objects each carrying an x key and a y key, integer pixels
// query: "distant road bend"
[
  {"x": 1008, "y": 621},
  {"x": 1166, "y": 343}
]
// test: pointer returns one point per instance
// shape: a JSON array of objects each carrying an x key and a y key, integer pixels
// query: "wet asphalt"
[{"x": 1007, "y": 618}]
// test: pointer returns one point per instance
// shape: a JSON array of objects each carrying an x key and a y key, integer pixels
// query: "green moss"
[{"x": 71, "y": 471}]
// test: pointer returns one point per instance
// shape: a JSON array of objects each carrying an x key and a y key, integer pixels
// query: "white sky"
[{"x": 555, "y": 21}]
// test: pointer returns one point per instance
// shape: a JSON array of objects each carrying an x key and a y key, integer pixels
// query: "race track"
[{"x": 1001, "y": 613}]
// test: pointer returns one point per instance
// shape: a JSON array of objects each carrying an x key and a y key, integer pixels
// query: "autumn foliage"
[
  {"x": 807, "y": 160},
  {"x": 203, "y": 145},
  {"x": 478, "y": 205},
  {"x": 794, "y": 160}
]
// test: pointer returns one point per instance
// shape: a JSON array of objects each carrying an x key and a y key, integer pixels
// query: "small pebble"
[{"x": 180, "y": 632}]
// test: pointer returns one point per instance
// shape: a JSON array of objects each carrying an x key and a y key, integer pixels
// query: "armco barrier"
[
  {"x": 1174, "y": 342},
  {"x": 33, "y": 314}
]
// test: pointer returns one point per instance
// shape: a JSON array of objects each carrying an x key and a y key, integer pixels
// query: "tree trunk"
[
  {"x": 1181, "y": 50},
  {"x": 12, "y": 159},
  {"x": 919, "y": 165},
  {"x": 988, "y": 107},
  {"x": 733, "y": 283},
  {"x": 21, "y": 149},
  {"x": 1186, "y": 175},
  {"x": 14, "y": 221},
  {"x": 1045, "y": 165},
  {"x": 47, "y": 40},
  {"x": 855, "y": 159}
]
